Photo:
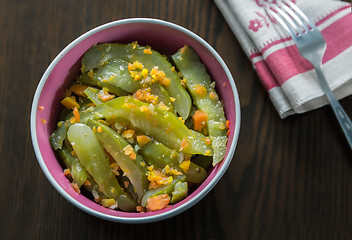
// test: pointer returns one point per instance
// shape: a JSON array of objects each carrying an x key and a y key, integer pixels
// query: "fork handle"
[{"x": 340, "y": 113}]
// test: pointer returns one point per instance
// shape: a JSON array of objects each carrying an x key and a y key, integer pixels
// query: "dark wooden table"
[{"x": 289, "y": 179}]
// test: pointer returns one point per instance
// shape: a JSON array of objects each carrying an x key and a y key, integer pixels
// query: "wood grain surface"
[{"x": 289, "y": 179}]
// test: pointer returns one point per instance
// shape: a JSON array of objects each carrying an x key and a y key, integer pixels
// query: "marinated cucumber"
[
  {"x": 95, "y": 161},
  {"x": 78, "y": 172},
  {"x": 168, "y": 189},
  {"x": 92, "y": 94},
  {"x": 162, "y": 125},
  {"x": 101, "y": 54},
  {"x": 133, "y": 165},
  {"x": 59, "y": 135},
  {"x": 180, "y": 192},
  {"x": 115, "y": 73},
  {"x": 203, "y": 92},
  {"x": 160, "y": 156}
]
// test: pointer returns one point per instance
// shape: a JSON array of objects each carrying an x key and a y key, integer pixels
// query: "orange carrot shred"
[
  {"x": 199, "y": 120},
  {"x": 76, "y": 113},
  {"x": 67, "y": 171},
  {"x": 73, "y": 120},
  {"x": 142, "y": 140},
  {"x": 147, "y": 51},
  {"x": 75, "y": 187},
  {"x": 70, "y": 102},
  {"x": 200, "y": 90},
  {"x": 78, "y": 89},
  {"x": 227, "y": 124},
  {"x": 128, "y": 133},
  {"x": 158, "y": 202},
  {"x": 184, "y": 144},
  {"x": 207, "y": 141},
  {"x": 213, "y": 96},
  {"x": 153, "y": 185},
  {"x": 87, "y": 183},
  {"x": 105, "y": 96},
  {"x": 99, "y": 130},
  {"x": 140, "y": 209}
]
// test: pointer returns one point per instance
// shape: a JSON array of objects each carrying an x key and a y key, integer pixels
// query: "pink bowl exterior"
[{"x": 162, "y": 36}]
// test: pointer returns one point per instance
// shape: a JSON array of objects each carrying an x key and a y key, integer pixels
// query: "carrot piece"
[
  {"x": 73, "y": 120},
  {"x": 78, "y": 89},
  {"x": 128, "y": 150},
  {"x": 70, "y": 102},
  {"x": 184, "y": 144},
  {"x": 213, "y": 96},
  {"x": 99, "y": 129},
  {"x": 165, "y": 81},
  {"x": 75, "y": 187},
  {"x": 76, "y": 113},
  {"x": 227, "y": 124},
  {"x": 137, "y": 77},
  {"x": 131, "y": 67},
  {"x": 153, "y": 185},
  {"x": 158, "y": 202},
  {"x": 142, "y": 140},
  {"x": 199, "y": 120},
  {"x": 105, "y": 96},
  {"x": 87, "y": 183},
  {"x": 128, "y": 133},
  {"x": 184, "y": 165},
  {"x": 67, "y": 171},
  {"x": 200, "y": 90},
  {"x": 140, "y": 209},
  {"x": 144, "y": 72},
  {"x": 147, "y": 51},
  {"x": 207, "y": 141}
]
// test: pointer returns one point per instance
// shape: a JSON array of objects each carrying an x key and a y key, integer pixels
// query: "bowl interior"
[{"x": 161, "y": 36}]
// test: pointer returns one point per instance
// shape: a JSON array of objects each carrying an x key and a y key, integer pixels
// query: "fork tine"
[
  {"x": 293, "y": 16},
  {"x": 284, "y": 20},
  {"x": 301, "y": 15},
  {"x": 281, "y": 21}
]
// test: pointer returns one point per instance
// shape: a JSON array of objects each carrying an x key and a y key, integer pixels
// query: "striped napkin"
[{"x": 289, "y": 79}]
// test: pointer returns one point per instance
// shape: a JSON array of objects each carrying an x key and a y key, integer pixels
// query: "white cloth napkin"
[{"x": 290, "y": 80}]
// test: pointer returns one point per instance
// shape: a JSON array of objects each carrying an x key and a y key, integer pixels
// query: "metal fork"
[{"x": 311, "y": 45}]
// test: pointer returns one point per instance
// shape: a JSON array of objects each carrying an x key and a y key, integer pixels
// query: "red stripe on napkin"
[{"x": 287, "y": 62}]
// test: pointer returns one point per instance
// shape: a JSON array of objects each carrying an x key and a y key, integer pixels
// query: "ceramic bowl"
[{"x": 162, "y": 36}]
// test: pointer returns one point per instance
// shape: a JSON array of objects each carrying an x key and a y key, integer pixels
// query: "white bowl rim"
[{"x": 164, "y": 215}]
